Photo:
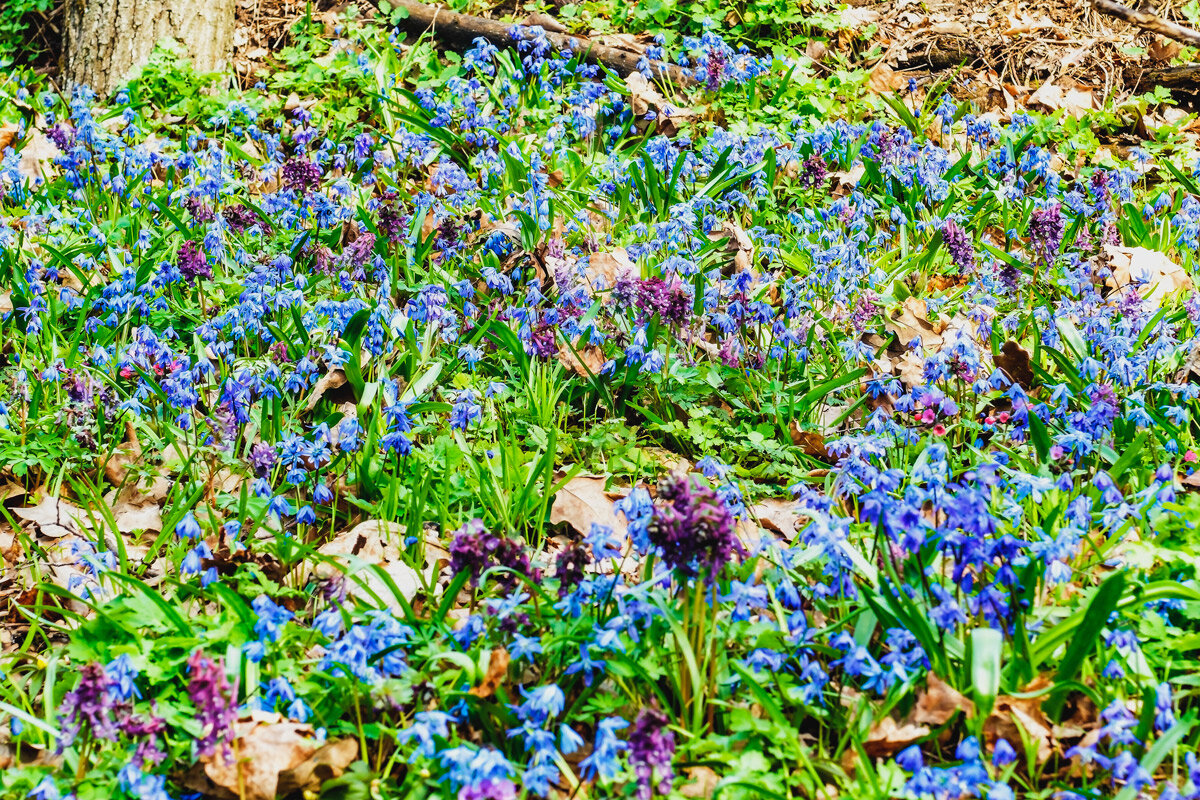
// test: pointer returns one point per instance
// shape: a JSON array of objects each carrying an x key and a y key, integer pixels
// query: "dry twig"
[{"x": 1148, "y": 21}]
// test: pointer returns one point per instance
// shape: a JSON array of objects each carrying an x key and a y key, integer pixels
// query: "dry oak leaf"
[
  {"x": 585, "y": 361},
  {"x": 373, "y": 542},
  {"x": 699, "y": 782},
  {"x": 604, "y": 268},
  {"x": 1078, "y": 103},
  {"x": 497, "y": 672},
  {"x": 333, "y": 379},
  {"x": 888, "y": 737},
  {"x": 54, "y": 517},
  {"x": 644, "y": 98},
  {"x": 584, "y": 500},
  {"x": 1157, "y": 277},
  {"x": 939, "y": 702},
  {"x": 1014, "y": 360},
  {"x": 273, "y": 756},
  {"x": 1013, "y": 715},
  {"x": 883, "y": 79},
  {"x": 737, "y": 242},
  {"x": 777, "y": 516}
]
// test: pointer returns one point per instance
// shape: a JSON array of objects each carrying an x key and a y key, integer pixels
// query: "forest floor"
[{"x": 382, "y": 419}]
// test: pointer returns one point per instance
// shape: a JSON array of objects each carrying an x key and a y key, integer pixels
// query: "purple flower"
[
  {"x": 301, "y": 174},
  {"x": 193, "y": 263},
  {"x": 475, "y": 549},
  {"x": 215, "y": 700},
  {"x": 89, "y": 705},
  {"x": 651, "y": 749},
  {"x": 489, "y": 789},
  {"x": 958, "y": 243},
  {"x": 569, "y": 566},
  {"x": 1046, "y": 227},
  {"x": 692, "y": 527}
]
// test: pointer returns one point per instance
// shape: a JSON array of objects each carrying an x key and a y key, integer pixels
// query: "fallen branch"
[
  {"x": 463, "y": 29},
  {"x": 1148, "y": 21},
  {"x": 1187, "y": 77}
]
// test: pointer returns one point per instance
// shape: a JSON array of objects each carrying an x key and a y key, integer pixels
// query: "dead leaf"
[
  {"x": 604, "y": 268},
  {"x": 373, "y": 542},
  {"x": 36, "y": 155},
  {"x": 883, "y": 79},
  {"x": 844, "y": 182},
  {"x": 497, "y": 673},
  {"x": 1019, "y": 24},
  {"x": 855, "y": 17},
  {"x": 1012, "y": 715},
  {"x": 811, "y": 442},
  {"x": 1157, "y": 276},
  {"x": 272, "y": 757},
  {"x": 331, "y": 380},
  {"x": 1014, "y": 360},
  {"x": 939, "y": 702},
  {"x": 584, "y": 500},
  {"x": 737, "y": 242},
  {"x": 1078, "y": 103},
  {"x": 585, "y": 361},
  {"x": 777, "y": 516},
  {"x": 815, "y": 49},
  {"x": 699, "y": 782},
  {"x": 54, "y": 517},
  {"x": 645, "y": 98},
  {"x": 888, "y": 737},
  {"x": 1161, "y": 49}
]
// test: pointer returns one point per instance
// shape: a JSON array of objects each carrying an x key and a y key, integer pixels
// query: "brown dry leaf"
[
  {"x": 8, "y": 135},
  {"x": 326, "y": 764},
  {"x": 1161, "y": 49},
  {"x": 952, "y": 27},
  {"x": 54, "y": 517},
  {"x": 855, "y": 17},
  {"x": 644, "y": 98},
  {"x": 1078, "y": 103},
  {"x": 1158, "y": 276},
  {"x": 1011, "y": 716},
  {"x": 939, "y": 702},
  {"x": 844, "y": 182},
  {"x": 811, "y": 442},
  {"x": 374, "y": 542},
  {"x": 777, "y": 516},
  {"x": 884, "y": 79},
  {"x": 700, "y": 782},
  {"x": 273, "y": 757},
  {"x": 815, "y": 49},
  {"x": 1014, "y": 360},
  {"x": 604, "y": 268},
  {"x": 36, "y": 155},
  {"x": 134, "y": 509},
  {"x": 1019, "y": 24},
  {"x": 497, "y": 673},
  {"x": 331, "y": 380},
  {"x": 888, "y": 737},
  {"x": 737, "y": 242},
  {"x": 583, "y": 500},
  {"x": 116, "y": 466},
  {"x": 585, "y": 361}
]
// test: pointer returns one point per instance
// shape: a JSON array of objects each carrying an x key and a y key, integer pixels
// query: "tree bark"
[{"x": 104, "y": 40}]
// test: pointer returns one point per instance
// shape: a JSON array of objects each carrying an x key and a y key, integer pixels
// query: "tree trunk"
[{"x": 104, "y": 40}]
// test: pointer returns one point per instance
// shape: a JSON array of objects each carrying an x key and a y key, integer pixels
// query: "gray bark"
[{"x": 105, "y": 40}]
